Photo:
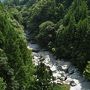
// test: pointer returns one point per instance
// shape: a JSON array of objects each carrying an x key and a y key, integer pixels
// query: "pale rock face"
[{"x": 63, "y": 71}]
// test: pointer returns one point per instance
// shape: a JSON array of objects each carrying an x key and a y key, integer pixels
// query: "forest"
[{"x": 61, "y": 27}]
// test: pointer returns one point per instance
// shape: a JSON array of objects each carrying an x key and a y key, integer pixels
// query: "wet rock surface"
[{"x": 63, "y": 71}]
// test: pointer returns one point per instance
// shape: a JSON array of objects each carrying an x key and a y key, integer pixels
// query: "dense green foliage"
[
  {"x": 47, "y": 33},
  {"x": 18, "y": 2},
  {"x": 61, "y": 87},
  {"x": 87, "y": 71},
  {"x": 2, "y": 84},
  {"x": 70, "y": 33},
  {"x": 40, "y": 12},
  {"x": 73, "y": 33},
  {"x": 43, "y": 77},
  {"x": 15, "y": 59},
  {"x": 62, "y": 26}
]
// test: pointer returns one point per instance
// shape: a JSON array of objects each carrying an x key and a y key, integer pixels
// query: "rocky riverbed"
[{"x": 63, "y": 71}]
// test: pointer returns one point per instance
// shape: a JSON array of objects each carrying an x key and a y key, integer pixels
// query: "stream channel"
[{"x": 63, "y": 71}]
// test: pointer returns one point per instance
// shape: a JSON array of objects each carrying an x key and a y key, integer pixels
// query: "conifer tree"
[
  {"x": 19, "y": 64},
  {"x": 72, "y": 33}
]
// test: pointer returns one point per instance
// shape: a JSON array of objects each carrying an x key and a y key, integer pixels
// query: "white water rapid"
[{"x": 63, "y": 71}]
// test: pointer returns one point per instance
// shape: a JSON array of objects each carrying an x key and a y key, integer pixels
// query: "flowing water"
[{"x": 63, "y": 71}]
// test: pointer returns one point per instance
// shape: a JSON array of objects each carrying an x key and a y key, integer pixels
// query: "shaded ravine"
[{"x": 63, "y": 71}]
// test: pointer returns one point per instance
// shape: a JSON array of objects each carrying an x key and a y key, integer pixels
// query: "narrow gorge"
[{"x": 44, "y": 44}]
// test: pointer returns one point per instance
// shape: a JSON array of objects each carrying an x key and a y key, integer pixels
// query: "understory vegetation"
[{"x": 61, "y": 26}]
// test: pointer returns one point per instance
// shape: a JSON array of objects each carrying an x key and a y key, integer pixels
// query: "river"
[{"x": 63, "y": 71}]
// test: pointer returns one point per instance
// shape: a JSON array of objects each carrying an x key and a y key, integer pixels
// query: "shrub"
[
  {"x": 47, "y": 33},
  {"x": 2, "y": 84},
  {"x": 87, "y": 71}
]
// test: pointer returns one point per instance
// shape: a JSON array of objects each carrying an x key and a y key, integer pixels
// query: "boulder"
[
  {"x": 72, "y": 83},
  {"x": 35, "y": 50}
]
